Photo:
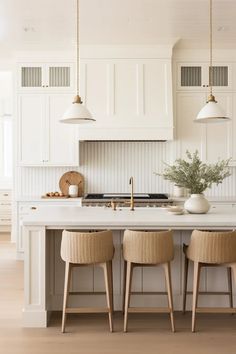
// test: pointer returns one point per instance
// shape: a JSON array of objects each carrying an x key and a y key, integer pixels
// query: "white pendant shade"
[
  {"x": 77, "y": 113},
  {"x": 211, "y": 113}
]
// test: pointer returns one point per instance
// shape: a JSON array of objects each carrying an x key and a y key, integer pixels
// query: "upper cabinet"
[
  {"x": 131, "y": 99},
  {"x": 47, "y": 77},
  {"x": 195, "y": 76},
  {"x": 43, "y": 140},
  {"x": 213, "y": 141},
  {"x": 45, "y": 90}
]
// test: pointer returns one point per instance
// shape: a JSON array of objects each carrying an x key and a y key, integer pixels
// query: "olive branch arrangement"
[{"x": 195, "y": 175}]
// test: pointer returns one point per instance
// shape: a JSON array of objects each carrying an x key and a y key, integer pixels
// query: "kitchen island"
[{"x": 44, "y": 270}]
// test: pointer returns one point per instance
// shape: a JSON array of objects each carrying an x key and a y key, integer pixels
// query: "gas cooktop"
[
  {"x": 109, "y": 196},
  {"x": 140, "y": 199}
]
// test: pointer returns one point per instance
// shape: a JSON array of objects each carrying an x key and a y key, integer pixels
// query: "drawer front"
[
  {"x": 5, "y": 213},
  {"x": 26, "y": 209},
  {"x": 5, "y": 220},
  {"x": 5, "y": 195},
  {"x": 5, "y": 207}
]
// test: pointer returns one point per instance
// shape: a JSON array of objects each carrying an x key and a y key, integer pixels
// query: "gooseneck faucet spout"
[{"x": 131, "y": 182}]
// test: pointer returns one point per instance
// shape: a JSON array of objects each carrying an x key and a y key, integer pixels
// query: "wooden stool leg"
[
  {"x": 107, "y": 278},
  {"x": 169, "y": 291},
  {"x": 111, "y": 286},
  {"x": 186, "y": 263},
  {"x": 233, "y": 272},
  {"x": 124, "y": 286},
  {"x": 196, "y": 277},
  {"x": 230, "y": 287},
  {"x": 127, "y": 292},
  {"x": 66, "y": 291}
]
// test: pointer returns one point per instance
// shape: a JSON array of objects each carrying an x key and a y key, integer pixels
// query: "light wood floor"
[{"x": 88, "y": 334}]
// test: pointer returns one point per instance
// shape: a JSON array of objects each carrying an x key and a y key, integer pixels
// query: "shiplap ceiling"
[{"x": 30, "y": 24}]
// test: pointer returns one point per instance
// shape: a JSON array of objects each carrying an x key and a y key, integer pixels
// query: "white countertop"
[
  {"x": 57, "y": 217},
  {"x": 223, "y": 200},
  {"x": 38, "y": 198}
]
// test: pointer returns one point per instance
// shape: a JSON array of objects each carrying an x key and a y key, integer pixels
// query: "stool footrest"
[
  {"x": 149, "y": 310},
  {"x": 210, "y": 292},
  {"x": 148, "y": 293},
  {"x": 87, "y": 293},
  {"x": 87, "y": 310},
  {"x": 216, "y": 310}
]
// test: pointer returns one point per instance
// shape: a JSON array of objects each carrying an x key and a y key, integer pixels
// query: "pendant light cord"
[{"x": 211, "y": 69}]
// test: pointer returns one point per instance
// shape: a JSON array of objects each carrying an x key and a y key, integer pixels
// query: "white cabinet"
[
  {"x": 213, "y": 141},
  {"x": 217, "y": 139},
  {"x": 189, "y": 134},
  {"x": 195, "y": 76},
  {"x": 131, "y": 99},
  {"x": 5, "y": 211},
  {"x": 49, "y": 77},
  {"x": 43, "y": 140},
  {"x": 27, "y": 207},
  {"x": 233, "y": 134}
]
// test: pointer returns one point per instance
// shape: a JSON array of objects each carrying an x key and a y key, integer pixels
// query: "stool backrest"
[
  {"x": 212, "y": 247},
  {"x": 148, "y": 247},
  {"x": 87, "y": 247}
]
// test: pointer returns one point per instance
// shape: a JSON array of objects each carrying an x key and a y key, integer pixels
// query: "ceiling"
[{"x": 50, "y": 24}]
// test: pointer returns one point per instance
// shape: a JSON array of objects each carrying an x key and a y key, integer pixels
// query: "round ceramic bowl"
[{"x": 175, "y": 210}]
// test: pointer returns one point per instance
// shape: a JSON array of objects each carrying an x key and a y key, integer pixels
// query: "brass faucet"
[
  {"x": 131, "y": 182},
  {"x": 113, "y": 204}
]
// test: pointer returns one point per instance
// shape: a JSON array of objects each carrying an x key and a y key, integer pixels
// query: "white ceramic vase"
[{"x": 197, "y": 204}]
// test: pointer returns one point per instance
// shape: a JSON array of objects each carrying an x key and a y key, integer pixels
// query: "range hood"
[{"x": 129, "y": 93}]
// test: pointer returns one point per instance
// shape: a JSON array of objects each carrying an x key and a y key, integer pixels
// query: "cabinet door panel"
[
  {"x": 125, "y": 88},
  {"x": 59, "y": 77},
  {"x": 31, "y": 76},
  {"x": 94, "y": 89},
  {"x": 31, "y": 129},
  {"x": 218, "y": 135},
  {"x": 46, "y": 77},
  {"x": 233, "y": 134},
  {"x": 191, "y": 76},
  {"x": 131, "y": 99},
  {"x": 189, "y": 133},
  {"x": 157, "y": 93},
  {"x": 63, "y": 144},
  {"x": 196, "y": 76}
]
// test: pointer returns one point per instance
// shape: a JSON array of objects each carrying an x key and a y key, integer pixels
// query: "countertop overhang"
[{"x": 58, "y": 217}]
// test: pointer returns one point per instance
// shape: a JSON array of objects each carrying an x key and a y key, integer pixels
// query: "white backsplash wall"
[{"x": 107, "y": 166}]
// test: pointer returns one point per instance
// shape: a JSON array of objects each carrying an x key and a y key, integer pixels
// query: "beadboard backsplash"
[{"x": 107, "y": 166}]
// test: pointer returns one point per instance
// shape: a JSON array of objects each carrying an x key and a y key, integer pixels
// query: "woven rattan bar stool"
[
  {"x": 141, "y": 249},
  {"x": 80, "y": 249},
  {"x": 210, "y": 249}
]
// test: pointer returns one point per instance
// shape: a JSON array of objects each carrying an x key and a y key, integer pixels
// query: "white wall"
[{"x": 107, "y": 167}]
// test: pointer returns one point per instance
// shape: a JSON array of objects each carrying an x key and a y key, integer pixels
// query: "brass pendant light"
[
  {"x": 211, "y": 112},
  {"x": 77, "y": 113}
]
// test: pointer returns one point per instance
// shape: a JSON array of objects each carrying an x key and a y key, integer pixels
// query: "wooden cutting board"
[{"x": 71, "y": 177}]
